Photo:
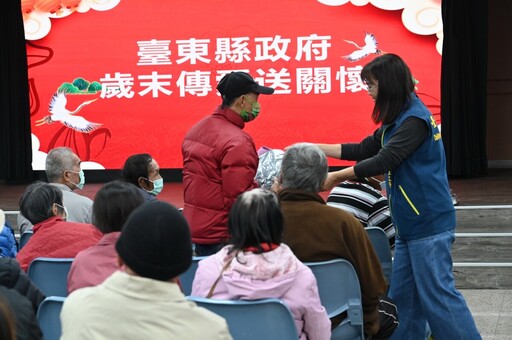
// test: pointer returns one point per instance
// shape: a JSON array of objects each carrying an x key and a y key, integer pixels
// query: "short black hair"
[
  {"x": 396, "y": 86},
  {"x": 136, "y": 166},
  {"x": 37, "y": 201},
  {"x": 113, "y": 204},
  {"x": 227, "y": 101},
  {"x": 255, "y": 218}
]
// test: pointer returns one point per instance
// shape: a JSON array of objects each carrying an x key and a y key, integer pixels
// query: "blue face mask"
[
  {"x": 158, "y": 186},
  {"x": 81, "y": 174}
]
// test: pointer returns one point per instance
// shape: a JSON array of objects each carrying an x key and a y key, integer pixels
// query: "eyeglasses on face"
[{"x": 370, "y": 86}]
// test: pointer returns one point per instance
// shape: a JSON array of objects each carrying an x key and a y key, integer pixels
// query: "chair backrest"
[
  {"x": 338, "y": 286},
  {"x": 187, "y": 277},
  {"x": 25, "y": 237},
  {"x": 267, "y": 319},
  {"x": 381, "y": 245},
  {"x": 48, "y": 317},
  {"x": 50, "y": 275}
]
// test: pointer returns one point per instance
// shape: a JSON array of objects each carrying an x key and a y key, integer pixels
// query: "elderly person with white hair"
[
  {"x": 64, "y": 172},
  {"x": 317, "y": 232}
]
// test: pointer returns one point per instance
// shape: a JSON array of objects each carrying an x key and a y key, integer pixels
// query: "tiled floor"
[{"x": 492, "y": 311}]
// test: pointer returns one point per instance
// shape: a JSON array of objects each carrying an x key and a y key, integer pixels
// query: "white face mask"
[
  {"x": 64, "y": 211},
  {"x": 158, "y": 185},
  {"x": 81, "y": 174}
]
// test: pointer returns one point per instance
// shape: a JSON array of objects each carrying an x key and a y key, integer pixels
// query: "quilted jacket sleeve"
[{"x": 239, "y": 165}]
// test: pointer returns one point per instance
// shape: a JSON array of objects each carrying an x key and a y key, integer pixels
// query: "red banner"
[{"x": 141, "y": 73}]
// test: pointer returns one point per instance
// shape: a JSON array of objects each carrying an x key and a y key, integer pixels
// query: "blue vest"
[{"x": 418, "y": 191}]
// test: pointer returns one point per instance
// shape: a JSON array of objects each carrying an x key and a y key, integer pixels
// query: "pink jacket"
[
  {"x": 57, "y": 238},
  {"x": 275, "y": 274},
  {"x": 94, "y": 264}
]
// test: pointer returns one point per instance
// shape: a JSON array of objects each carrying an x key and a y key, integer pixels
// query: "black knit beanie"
[{"x": 155, "y": 241}]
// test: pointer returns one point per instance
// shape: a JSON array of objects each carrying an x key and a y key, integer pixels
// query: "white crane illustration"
[
  {"x": 59, "y": 113},
  {"x": 370, "y": 47}
]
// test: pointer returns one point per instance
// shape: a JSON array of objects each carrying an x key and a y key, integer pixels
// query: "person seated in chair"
[
  {"x": 317, "y": 232},
  {"x": 112, "y": 205},
  {"x": 143, "y": 300},
  {"x": 63, "y": 169},
  {"x": 142, "y": 171},
  {"x": 8, "y": 245},
  {"x": 12, "y": 277},
  {"x": 17, "y": 318},
  {"x": 41, "y": 203},
  {"x": 362, "y": 198},
  {"x": 256, "y": 265}
]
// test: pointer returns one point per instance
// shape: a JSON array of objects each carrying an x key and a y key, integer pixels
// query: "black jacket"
[
  {"x": 27, "y": 327},
  {"x": 12, "y": 277}
]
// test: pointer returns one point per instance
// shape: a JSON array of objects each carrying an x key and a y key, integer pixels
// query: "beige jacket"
[{"x": 132, "y": 307}]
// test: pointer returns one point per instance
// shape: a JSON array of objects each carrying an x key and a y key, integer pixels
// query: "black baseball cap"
[{"x": 235, "y": 84}]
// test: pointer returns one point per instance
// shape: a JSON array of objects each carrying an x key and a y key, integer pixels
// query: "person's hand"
[
  {"x": 330, "y": 182},
  {"x": 276, "y": 186},
  {"x": 336, "y": 177}
]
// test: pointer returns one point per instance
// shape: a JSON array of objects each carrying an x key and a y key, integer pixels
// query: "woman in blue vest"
[{"x": 407, "y": 147}]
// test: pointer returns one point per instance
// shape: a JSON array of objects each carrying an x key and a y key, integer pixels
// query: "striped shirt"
[{"x": 368, "y": 205}]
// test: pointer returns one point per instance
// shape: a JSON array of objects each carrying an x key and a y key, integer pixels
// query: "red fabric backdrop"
[{"x": 96, "y": 44}]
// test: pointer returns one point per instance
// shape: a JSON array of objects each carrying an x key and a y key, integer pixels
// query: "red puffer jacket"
[
  {"x": 219, "y": 163},
  {"x": 57, "y": 238}
]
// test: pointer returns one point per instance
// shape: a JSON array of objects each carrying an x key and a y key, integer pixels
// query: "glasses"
[{"x": 371, "y": 87}]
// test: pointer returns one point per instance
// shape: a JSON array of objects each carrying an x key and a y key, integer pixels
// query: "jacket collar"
[
  {"x": 109, "y": 239},
  {"x": 230, "y": 115},
  {"x": 299, "y": 195},
  {"x": 61, "y": 186},
  {"x": 142, "y": 288},
  {"x": 48, "y": 223},
  {"x": 147, "y": 196}
]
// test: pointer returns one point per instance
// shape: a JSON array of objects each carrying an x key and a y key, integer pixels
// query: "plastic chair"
[
  {"x": 24, "y": 238},
  {"x": 50, "y": 275},
  {"x": 340, "y": 292},
  {"x": 48, "y": 317},
  {"x": 267, "y": 319},
  {"x": 382, "y": 248},
  {"x": 187, "y": 277}
]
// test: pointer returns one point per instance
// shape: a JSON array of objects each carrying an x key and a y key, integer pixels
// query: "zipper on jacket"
[{"x": 408, "y": 200}]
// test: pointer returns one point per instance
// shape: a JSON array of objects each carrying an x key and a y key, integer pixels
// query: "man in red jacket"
[{"x": 220, "y": 161}]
